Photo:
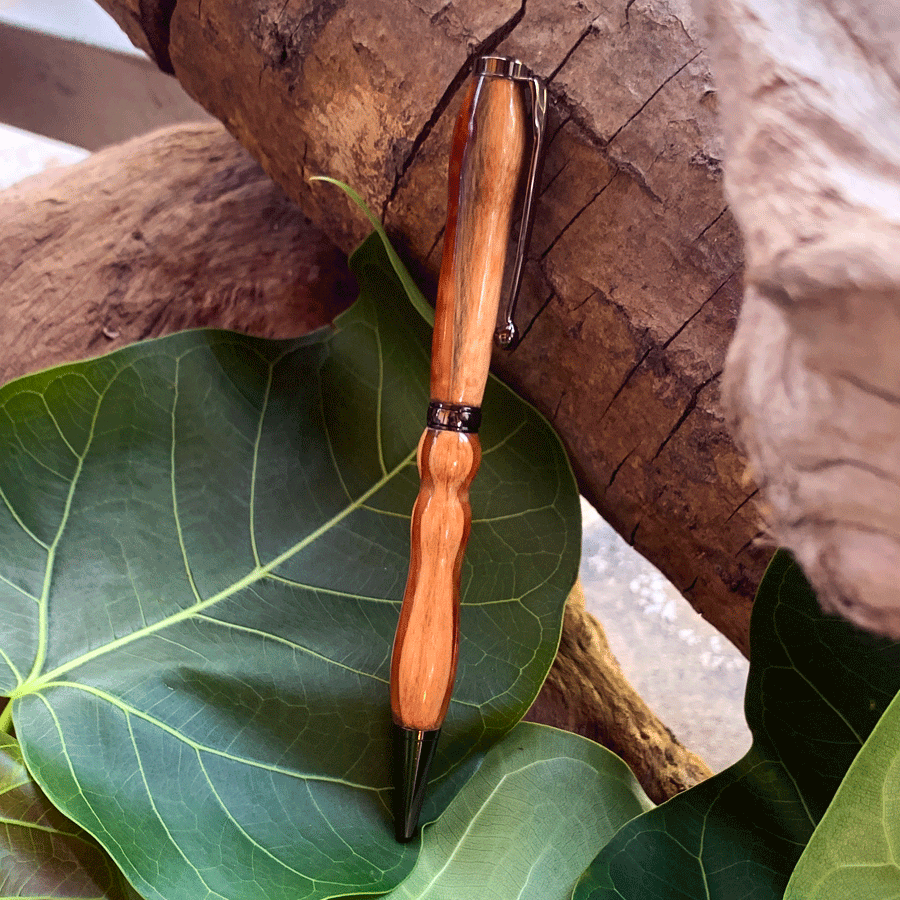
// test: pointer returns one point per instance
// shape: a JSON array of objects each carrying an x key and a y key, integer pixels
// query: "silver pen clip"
[{"x": 506, "y": 335}]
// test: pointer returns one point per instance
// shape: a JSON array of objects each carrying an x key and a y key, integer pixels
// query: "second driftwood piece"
[{"x": 811, "y": 108}]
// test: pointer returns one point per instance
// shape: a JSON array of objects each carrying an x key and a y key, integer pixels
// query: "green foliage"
[
  {"x": 205, "y": 545},
  {"x": 400, "y": 272},
  {"x": 42, "y": 854},
  {"x": 816, "y": 689},
  {"x": 855, "y": 851},
  {"x": 205, "y": 541},
  {"x": 528, "y": 822}
]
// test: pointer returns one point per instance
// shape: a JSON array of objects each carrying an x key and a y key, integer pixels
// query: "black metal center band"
[{"x": 454, "y": 417}]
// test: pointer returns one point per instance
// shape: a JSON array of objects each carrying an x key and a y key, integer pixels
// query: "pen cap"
[{"x": 487, "y": 163}]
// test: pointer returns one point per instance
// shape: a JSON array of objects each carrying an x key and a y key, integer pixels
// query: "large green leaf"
[
  {"x": 42, "y": 854},
  {"x": 528, "y": 821},
  {"x": 855, "y": 850},
  {"x": 816, "y": 688},
  {"x": 205, "y": 542}
]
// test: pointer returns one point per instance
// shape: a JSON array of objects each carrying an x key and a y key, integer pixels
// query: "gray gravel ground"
[{"x": 691, "y": 676}]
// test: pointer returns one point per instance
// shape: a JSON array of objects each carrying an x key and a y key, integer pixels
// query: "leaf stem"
[
  {"x": 420, "y": 304},
  {"x": 6, "y": 718}
]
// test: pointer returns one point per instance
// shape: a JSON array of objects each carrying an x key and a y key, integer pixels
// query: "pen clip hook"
[{"x": 507, "y": 335}]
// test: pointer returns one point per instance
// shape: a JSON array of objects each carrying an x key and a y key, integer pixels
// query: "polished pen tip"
[{"x": 413, "y": 753}]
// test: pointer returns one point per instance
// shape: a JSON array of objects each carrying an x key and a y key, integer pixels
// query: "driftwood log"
[
  {"x": 182, "y": 228},
  {"x": 811, "y": 111},
  {"x": 634, "y": 282}
]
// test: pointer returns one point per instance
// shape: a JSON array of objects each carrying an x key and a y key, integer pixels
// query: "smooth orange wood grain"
[
  {"x": 424, "y": 660},
  {"x": 485, "y": 171}
]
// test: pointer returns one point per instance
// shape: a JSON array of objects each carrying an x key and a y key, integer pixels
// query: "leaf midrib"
[
  {"x": 44, "y": 600},
  {"x": 252, "y": 577}
]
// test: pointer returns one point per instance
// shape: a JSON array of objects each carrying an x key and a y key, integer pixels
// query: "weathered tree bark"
[
  {"x": 183, "y": 228},
  {"x": 177, "y": 230},
  {"x": 634, "y": 281},
  {"x": 811, "y": 94},
  {"x": 146, "y": 22}
]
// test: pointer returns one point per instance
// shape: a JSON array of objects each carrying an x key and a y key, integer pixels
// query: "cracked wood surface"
[
  {"x": 634, "y": 281},
  {"x": 87, "y": 264}
]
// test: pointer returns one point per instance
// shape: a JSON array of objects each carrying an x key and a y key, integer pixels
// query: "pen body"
[
  {"x": 425, "y": 648},
  {"x": 485, "y": 170}
]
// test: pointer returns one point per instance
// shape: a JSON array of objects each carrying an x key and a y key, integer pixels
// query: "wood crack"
[
  {"x": 750, "y": 543},
  {"x": 553, "y": 178},
  {"x": 577, "y": 215},
  {"x": 716, "y": 219},
  {"x": 488, "y": 45},
  {"x": 534, "y": 318},
  {"x": 624, "y": 165},
  {"x": 691, "y": 406},
  {"x": 562, "y": 397},
  {"x": 437, "y": 16},
  {"x": 627, "y": 378},
  {"x": 565, "y": 121},
  {"x": 699, "y": 309},
  {"x": 435, "y": 242},
  {"x": 581, "y": 38},
  {"x": 646, "y": 103},
  {"x": 628, "y": 11},
  {"x": 615, "y": 471},
  {"x": 590, "y": 296},
  {"x": 742, "y": 504},
  {"x": 278, "y": 18}
]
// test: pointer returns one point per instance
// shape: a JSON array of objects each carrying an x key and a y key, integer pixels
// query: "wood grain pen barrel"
[{"x": 489, "y": 143}]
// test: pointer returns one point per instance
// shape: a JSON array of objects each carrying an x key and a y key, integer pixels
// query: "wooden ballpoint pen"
[{"x": 495, "y": 134}]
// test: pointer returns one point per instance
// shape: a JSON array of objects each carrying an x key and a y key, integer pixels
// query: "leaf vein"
[
  {"x": 44, "y": 602},
  {"x": 128, "y": 710},
  {"x": 240, "y": 828},
  {"x": 175, "y": 514},
  {"x": 21, "y": 590},
  {"x": 21, "y": 524},
  {"x": 143, "y": 774},
  {"x": 378, "y": 400},
  {"x": 256, "y": 443},
  {"x": 75, "y": 781},
  {"x": 335, "y": 593},
  {"x": 267, "y": 635},
  {"x": 327, "y": 433}
]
